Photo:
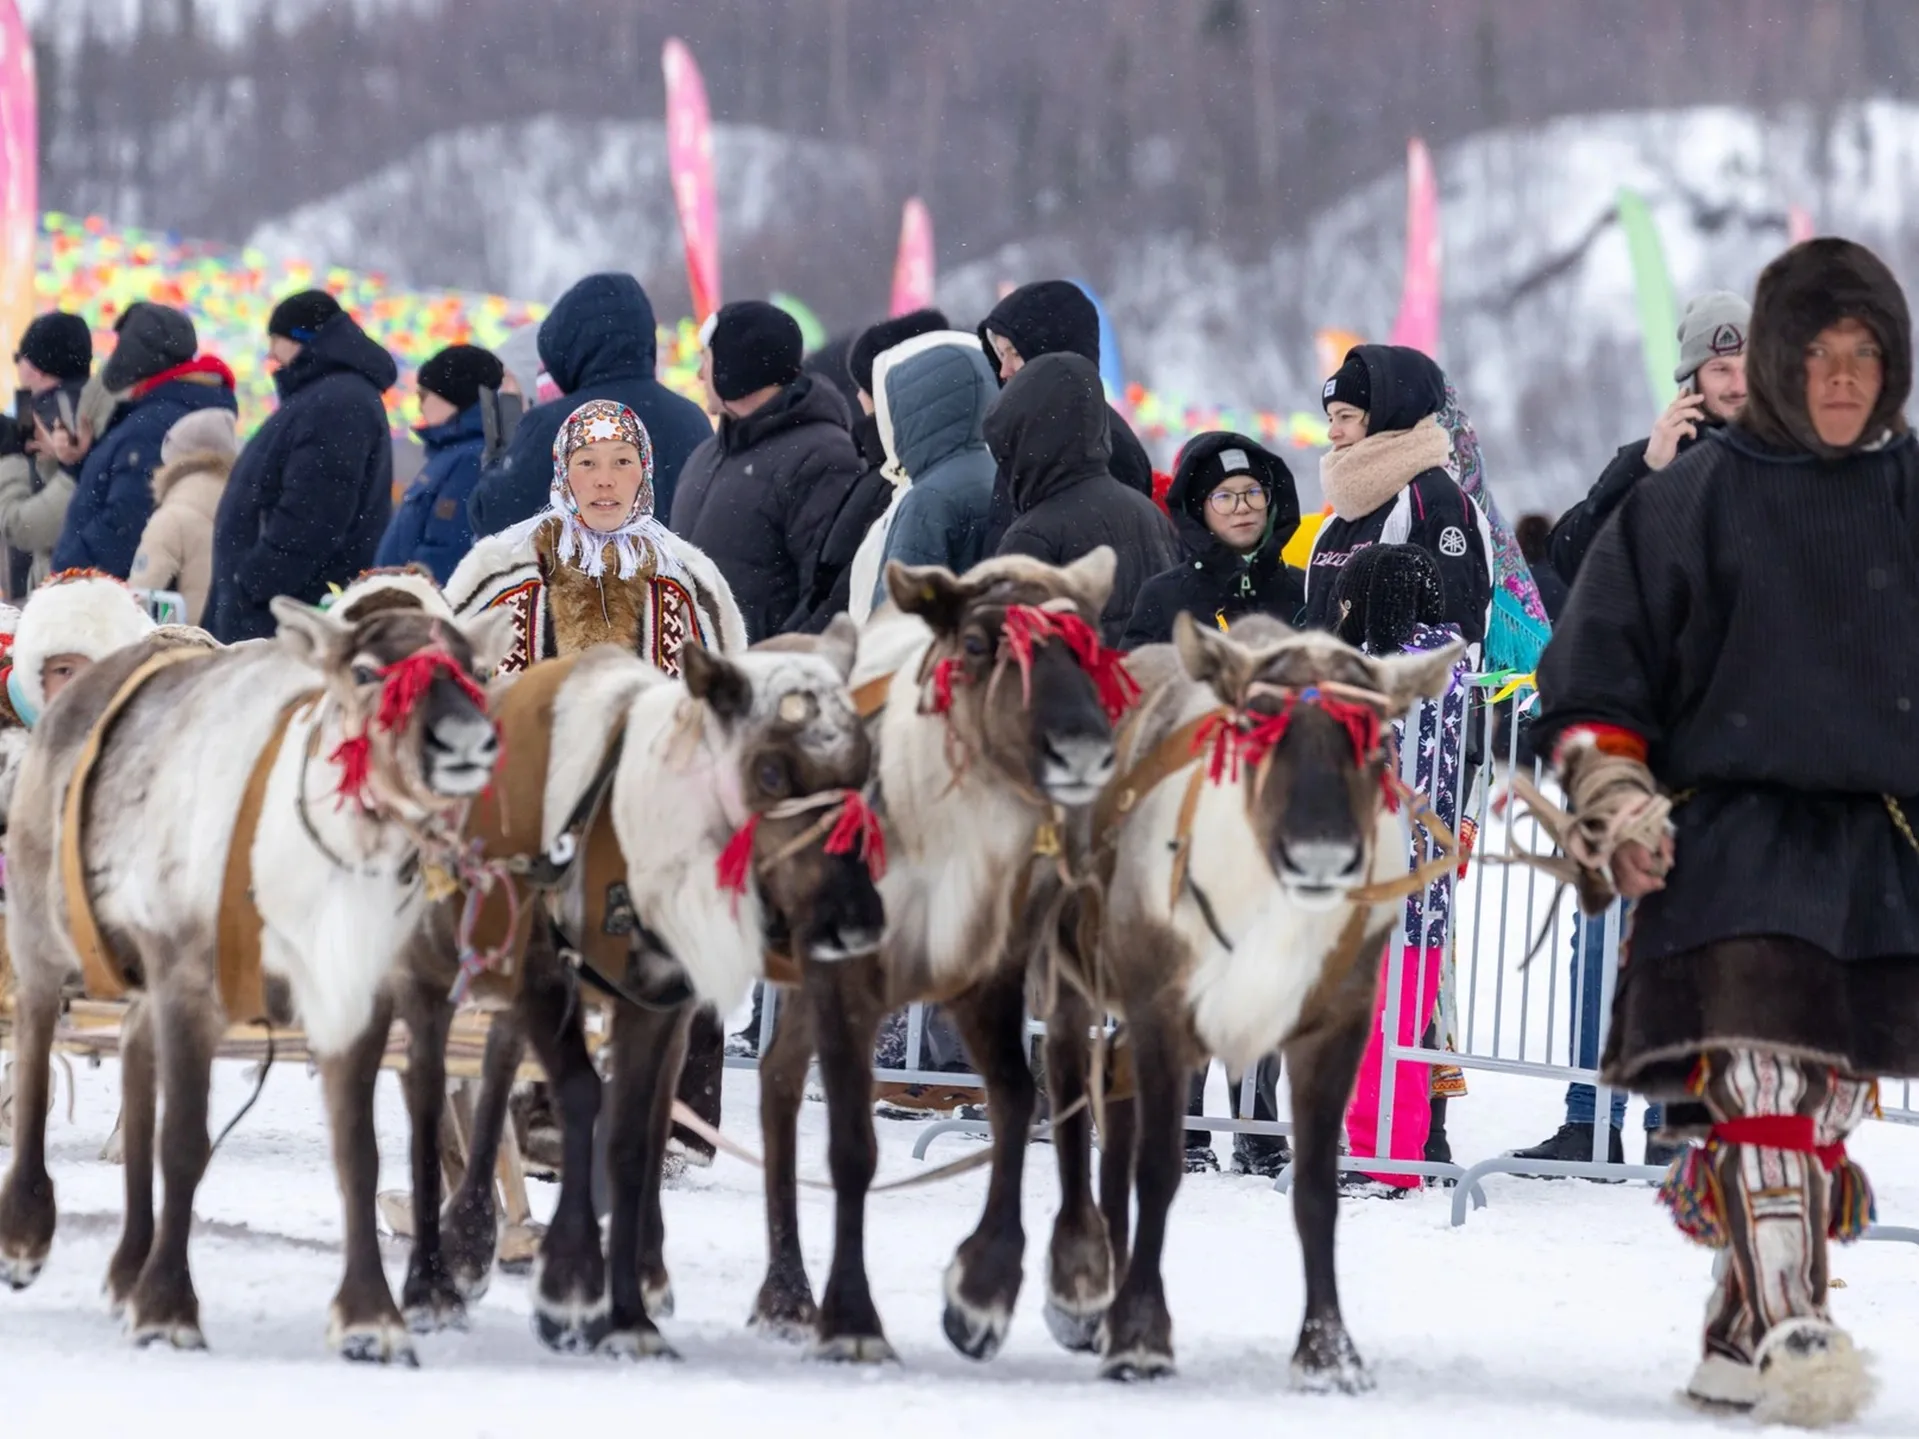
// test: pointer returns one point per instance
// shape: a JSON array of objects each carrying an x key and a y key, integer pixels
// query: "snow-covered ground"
[{"x": 1562, "y": 1308}]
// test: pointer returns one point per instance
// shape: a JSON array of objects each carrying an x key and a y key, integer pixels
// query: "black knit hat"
[
  {"x": 1383, "y": 594},
  {"x": 876, "y": 340},
  {"x": 754, "y": 345},
  {"x": 299, "y": 316},
  {"x": 58, "y": 344},
  {"x": 459, "y": 372},
  {"x": 153, "y": 338},
  {"x": 1351, "y": 384}
]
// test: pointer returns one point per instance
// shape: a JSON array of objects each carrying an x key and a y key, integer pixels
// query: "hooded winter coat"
[
  {"x": 597, "y": 343},
  {"x": 1047, "y": 431},
  {"x": 113, "y": 495},
  {"x": 934, "y": 393},
  {"x": 430, "y": 527},
  {"x": 176, "y": 551},
  {"x": 760, "y": 496},
  {"x": 1393, "y": 487},
  {"x": 1213, "y": 582},
  {"x": 313, "y": 490},
  {"x": 1747, "y": 616}
]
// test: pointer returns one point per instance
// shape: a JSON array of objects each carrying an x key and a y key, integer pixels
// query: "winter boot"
[
  {"x": 1200, "y": 1158},
  {"x": 1573, "y": 1144},
  {"x": 1722, "y": 1382},
  {"x": 1439, "y": 1149},
  {"x": 1810, "y": 1375},
  {"x": 1660, "y": 1154},
  {"x": 1261, "y": 1155}
]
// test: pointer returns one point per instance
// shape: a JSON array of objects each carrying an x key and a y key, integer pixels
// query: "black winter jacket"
[
  {"x": 597, "y": 343},
  {"x": 761, "y": 495},
  {"x": 865, "y": 502},
  {"x": 1428, "y": 509},
  {"x": 310, "y": 496},
  {"x": 1047, "y": 432},
  {"x": 1579, "y": 526},
  {"x": 1213, "y": 582}
]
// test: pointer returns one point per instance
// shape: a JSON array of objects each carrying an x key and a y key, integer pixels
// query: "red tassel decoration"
[
  {"x": 354, "y": 757},
  {"x": 407, "y": 681},
  {"x": 943, "y": 677},
  {"x": 858, "y": 825},
  {"x": 1026, "y": 626},
  {"x": 735, "y": 864}
]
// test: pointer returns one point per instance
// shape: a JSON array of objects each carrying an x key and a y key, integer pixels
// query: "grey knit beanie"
[{"x": 1714, "y": 326}]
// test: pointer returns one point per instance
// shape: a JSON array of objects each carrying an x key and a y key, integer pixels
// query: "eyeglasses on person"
[{"x": 1226, "y": 502}]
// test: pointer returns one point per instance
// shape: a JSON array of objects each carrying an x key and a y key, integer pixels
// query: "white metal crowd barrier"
[{"x": 1512, "y": 990}]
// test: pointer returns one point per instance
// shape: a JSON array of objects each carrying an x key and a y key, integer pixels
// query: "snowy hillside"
[
  {"x": 1540, "y": 332},
  {"x": 527, "y": 208}
]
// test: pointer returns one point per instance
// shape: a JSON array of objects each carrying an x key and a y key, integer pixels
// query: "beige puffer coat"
[{"x": 176, "y": 549}]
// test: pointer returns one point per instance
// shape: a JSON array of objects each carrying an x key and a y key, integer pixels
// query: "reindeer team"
[{"x": 969, "y": 800}]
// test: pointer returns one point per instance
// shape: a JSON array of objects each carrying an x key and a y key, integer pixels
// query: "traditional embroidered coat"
[{"x": 561, "y": 609}]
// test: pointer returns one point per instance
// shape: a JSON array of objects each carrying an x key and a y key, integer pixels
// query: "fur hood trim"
[
  {"x": 402, "y": 588},
  {"x": 1359, "y": 479},
  {"x": 91, "y": 616},
  {"x": 201, "y": 462}
]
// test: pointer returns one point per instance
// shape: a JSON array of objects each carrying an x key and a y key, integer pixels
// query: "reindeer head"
[
  {"x": 802, "y": 761},
  {"x": 417, "y": 736},
  {"x": 1303, "y": 731},
  {"x": 1018, "y": 669}
]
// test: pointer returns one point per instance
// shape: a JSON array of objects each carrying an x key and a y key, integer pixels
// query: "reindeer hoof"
[
  {"x": 1326, "y": 1361},
  {"x": 436, "y": 1314},
  {"x": 1075, "y": 1333},
  {"x": 636, "y": 1344},
  {"x": 372, "y": 1341},
  {"x": 1131, "y": 1365},
  {"x": 976, "y": 1331},
  {"x": 579, "y": 1332},
  {"x": 184, "y": 1336},
  {"x": 855, "y": 1349},
  {"x": 658, "y": 1299},
  {"x": 519, "y": 1246},
  {"x": 18, "y": 1271}
]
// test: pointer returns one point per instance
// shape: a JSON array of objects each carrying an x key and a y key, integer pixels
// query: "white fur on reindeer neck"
[{"x": 641, "y": 541}]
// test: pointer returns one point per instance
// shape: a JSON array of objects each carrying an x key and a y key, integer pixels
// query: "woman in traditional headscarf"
[{"x": 595, "y": 566}]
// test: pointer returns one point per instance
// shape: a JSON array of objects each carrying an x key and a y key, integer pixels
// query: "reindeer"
[
  {"x": 356, "y": 745},
  {"x": 736, "y": 820},
  {"x": 995, "y": 734},
  {"x": 1256, "y": 870}
]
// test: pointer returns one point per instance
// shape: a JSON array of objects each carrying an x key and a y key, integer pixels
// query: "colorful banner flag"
[
  {"x": 1418, "y": 321},
  {"x": 689, "y": 160},
  {"x": 1330, "y": 348},
  {"x": 19, "y": 177},
  {"x": 1658, "y": 318},
  {"x": 812, "y": 332},
  {"x": 1798, "y": 225},
  {"x": 1111, "y": 372},
  {"x": 913, "y": 266}
]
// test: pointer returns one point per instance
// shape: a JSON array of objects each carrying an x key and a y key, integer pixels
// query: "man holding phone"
[
  {"x": 1712, "y": 392},
  {"x": 40, "y": 447}
]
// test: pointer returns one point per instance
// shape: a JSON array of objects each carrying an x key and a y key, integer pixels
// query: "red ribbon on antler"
[
  {"x": 1231, "y": 740},
  {"x": 404, "y": 684},
  {"x": 859, "y": 826},
  {"x": 1024, "y": 629}
]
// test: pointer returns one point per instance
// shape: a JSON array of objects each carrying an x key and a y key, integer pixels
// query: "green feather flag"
[{"x": 1658, "y": 320}]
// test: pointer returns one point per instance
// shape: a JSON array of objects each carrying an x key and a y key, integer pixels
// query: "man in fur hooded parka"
[{"x": 1728, "y": 699}]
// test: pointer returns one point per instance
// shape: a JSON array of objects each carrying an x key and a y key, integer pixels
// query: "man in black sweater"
[{"x": 1712, "y": 392}]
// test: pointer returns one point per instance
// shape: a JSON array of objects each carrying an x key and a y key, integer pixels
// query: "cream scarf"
[{"x": 1360, "y": 478}]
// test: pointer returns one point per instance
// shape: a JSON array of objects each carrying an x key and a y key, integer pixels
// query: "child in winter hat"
[{"x": 75, "y": 619}]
